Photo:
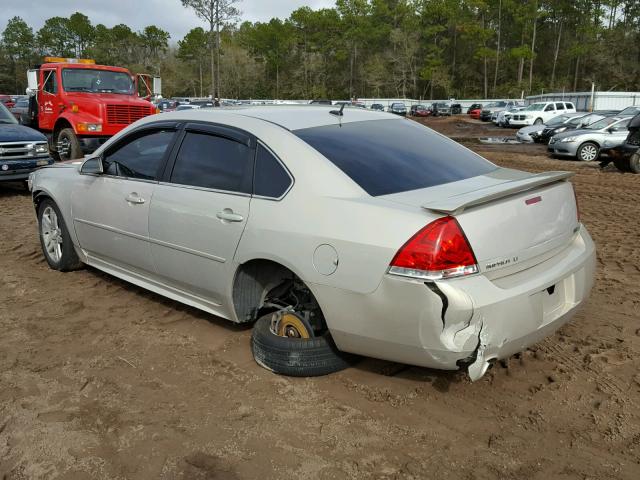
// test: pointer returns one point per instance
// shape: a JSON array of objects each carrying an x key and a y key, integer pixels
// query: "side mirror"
[
  {"x": 92, "y": 166},
  {"x": 32, "y": 82},
  {"x": 157, "y": 86}
]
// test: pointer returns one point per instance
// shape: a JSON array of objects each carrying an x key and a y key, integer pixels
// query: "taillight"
[{"x": 439, "y": 250}]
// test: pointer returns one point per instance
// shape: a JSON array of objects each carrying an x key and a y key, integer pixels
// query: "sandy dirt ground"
[{"x": 103, "y": 380}]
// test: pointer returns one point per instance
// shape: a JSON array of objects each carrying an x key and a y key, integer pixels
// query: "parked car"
[
  {"x": 456, "y": 109},
  {"x": 441, "y": 109},
  {"x": 198, "y": 207},
  {"x": 22, "y": 149},
  {"x": 503, "y": 117},
  {"x": 564, "y": 123},
  {"x": 21, "y": 111},
  {"x": 377, "y": 106},
  {"x": 419, "y": 111},
  {"x": 321, "y": 102},
  {"x": 165, "y": 105},
  {"x": 7, "y": 100},
  {"x": 490, "y": 108},
  {"x": 541, "y": 112},
  {"x": 187, "y": 106},
  {"x": 585, "y": 144},
  {"x": 475, "y": 113},
  {"x": 398, "y": 108},
  {"x": 474, "y": 106},
  {"x": 626, "y": 156},
  {"x": 629, "y": 111}
]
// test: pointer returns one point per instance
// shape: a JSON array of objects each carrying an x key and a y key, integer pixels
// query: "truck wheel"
[
  {"x": 296, "y": 354},
  {"x": 634, "y": 163},
  {"x": 538, "y": 121},
  {"x": 588, "y": 152},
  {"x": 67, "y": 145},
  {"x": 623, "y": 164}
]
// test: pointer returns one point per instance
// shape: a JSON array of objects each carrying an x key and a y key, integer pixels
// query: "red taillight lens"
[{"x": 439, "y": 250}]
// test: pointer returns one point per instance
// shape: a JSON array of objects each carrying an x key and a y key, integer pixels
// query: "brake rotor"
[{"x": 289, "y": 324}]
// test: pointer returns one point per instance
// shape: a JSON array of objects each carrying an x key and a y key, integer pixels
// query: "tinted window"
[
  {"x": 271, "y": 179},
  {"x": 141, "y": 157},
  {"x": 390, "y": 156},
  {"x": 569, "y": 105},
  {"x": 213, "y": 162},
  {"x": 560, "y": 106}
]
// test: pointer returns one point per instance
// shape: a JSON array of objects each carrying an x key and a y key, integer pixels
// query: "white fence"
[{"x": 601, "y": 100}]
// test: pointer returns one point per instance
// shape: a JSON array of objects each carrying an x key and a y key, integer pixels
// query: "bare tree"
[{"x": 217, "y": 14}]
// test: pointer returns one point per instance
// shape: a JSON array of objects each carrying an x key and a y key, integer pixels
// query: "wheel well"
[
  {"x": 38, "y": 197},
  {"x": 61, "y": 124},
  {"x": 254, "y": 281}
]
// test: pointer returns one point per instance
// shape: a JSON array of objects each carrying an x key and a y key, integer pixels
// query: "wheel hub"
[{"x": 291, "y": 325}]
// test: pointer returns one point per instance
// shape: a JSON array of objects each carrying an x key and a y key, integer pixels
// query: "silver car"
[
  {"x": 585, "y": 144},
  {"x": 334, "y": 231}
]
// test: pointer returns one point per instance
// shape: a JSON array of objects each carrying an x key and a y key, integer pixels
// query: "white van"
[{"x": 539, "y": 113}]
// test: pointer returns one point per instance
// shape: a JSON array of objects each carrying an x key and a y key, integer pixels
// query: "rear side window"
[
  {"x": 391, "y": 156},
  {"x": 139, "y": 158},
  {"x": 569, "y": 106},
  {"x": 210, "y": 161},
  {"x": 270, "y": 178},
  {"x": 560, "y": 106}
]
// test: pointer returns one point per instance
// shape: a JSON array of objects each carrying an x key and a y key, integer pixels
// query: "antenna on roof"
[{"x": 338, "y": 112}]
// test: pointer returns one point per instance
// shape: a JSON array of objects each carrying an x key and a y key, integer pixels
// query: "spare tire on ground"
[{"x": 296, "y": 357}]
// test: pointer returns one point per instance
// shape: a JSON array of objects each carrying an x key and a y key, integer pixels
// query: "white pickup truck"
[{"x": 541, "y": 112}]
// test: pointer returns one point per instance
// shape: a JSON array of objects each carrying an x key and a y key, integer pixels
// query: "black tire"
[
  {"x": 538, "y": 121},
  {"x": 586, "y": 151},
  {"x": 622, "y": 164},
  {"x": 296, "y": 357},
  {"x": 71, "y": 149},
  {"x": 634, "y": 163},
  {"x": 68, "y": 260}
]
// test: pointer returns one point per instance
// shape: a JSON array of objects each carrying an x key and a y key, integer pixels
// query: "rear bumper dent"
[{"x": 462, "y": 322}]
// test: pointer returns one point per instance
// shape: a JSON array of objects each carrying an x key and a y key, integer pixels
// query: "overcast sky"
[{"x": 169, "y": 15}]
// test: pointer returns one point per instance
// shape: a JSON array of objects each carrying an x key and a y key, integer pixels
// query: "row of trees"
[{"x": 361, "y": 48}]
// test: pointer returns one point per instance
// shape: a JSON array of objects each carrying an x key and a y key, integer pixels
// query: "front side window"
[
  {"x": 392, "y": 156},
  {"x": 549, "y": 108},
  {"x": 50, "y": 83},
  {"x": 210, "y": 161},
  {"x": 96, "y": 81},
  {"x": 140, "y": 158}
]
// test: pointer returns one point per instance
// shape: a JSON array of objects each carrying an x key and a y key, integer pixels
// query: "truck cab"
[{"x": 79, "y": 104}]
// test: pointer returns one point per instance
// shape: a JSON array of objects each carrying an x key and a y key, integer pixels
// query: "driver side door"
[{"x": 111, "y": 210}]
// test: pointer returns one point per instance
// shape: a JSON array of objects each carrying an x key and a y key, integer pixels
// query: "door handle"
[
  {"x": 134, "y": 198},
  {"x": 227, "y": 215}
]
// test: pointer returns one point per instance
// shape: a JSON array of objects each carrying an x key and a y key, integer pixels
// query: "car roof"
[{"x": 290, "y": 117}]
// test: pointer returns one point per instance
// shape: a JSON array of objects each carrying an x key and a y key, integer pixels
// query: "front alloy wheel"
[
  {"x": 588, "y": 152},
  {"x": 56, "y": 243}
]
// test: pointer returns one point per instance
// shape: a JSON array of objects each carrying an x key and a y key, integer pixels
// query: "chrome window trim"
[{"x": 204, "y": 189}]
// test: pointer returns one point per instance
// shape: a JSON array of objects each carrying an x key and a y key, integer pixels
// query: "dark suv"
[{"x": 398, "y": 108}]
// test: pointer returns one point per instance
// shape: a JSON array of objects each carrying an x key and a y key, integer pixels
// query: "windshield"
[
  {"x": 5, "y": 115},
  {"x": 535, "y": 107},
  {"x": 96, "y": 81},
  {"x": 559, "y": 120},
  {"x": 420, "y": 107},
  {"x": 391, "y": 156},
  {"x": 604, "y": 123},
  {"x": 630, "y": 111}
]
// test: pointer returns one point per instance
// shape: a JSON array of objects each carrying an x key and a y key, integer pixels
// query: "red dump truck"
[{"x": 79, "y": 104}]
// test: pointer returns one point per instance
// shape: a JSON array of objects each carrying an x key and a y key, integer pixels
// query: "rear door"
[{"x": 200, "y": 210}]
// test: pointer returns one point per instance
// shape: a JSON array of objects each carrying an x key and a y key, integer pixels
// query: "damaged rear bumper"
[{"x": 465, "y": 322}]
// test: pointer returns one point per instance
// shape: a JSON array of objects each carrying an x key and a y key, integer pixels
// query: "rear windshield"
[{"x": 391, "y": 156}]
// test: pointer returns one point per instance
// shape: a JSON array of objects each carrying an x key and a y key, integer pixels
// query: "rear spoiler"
[{"x": 456, "y": 204}]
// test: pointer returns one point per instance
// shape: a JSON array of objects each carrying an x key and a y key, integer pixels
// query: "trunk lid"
[{"x": 513, "y": 220}]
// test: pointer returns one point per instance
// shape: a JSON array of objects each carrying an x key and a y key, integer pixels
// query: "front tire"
[
  {"x": 634, "y": 163},
  {"x": 295, "y": 356},
  {"x": 68, "y": 145},
  {"x": 588, "y": 152},
  {"x": 55, "y": 240},
  {"x": 538, "y": 121}
]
